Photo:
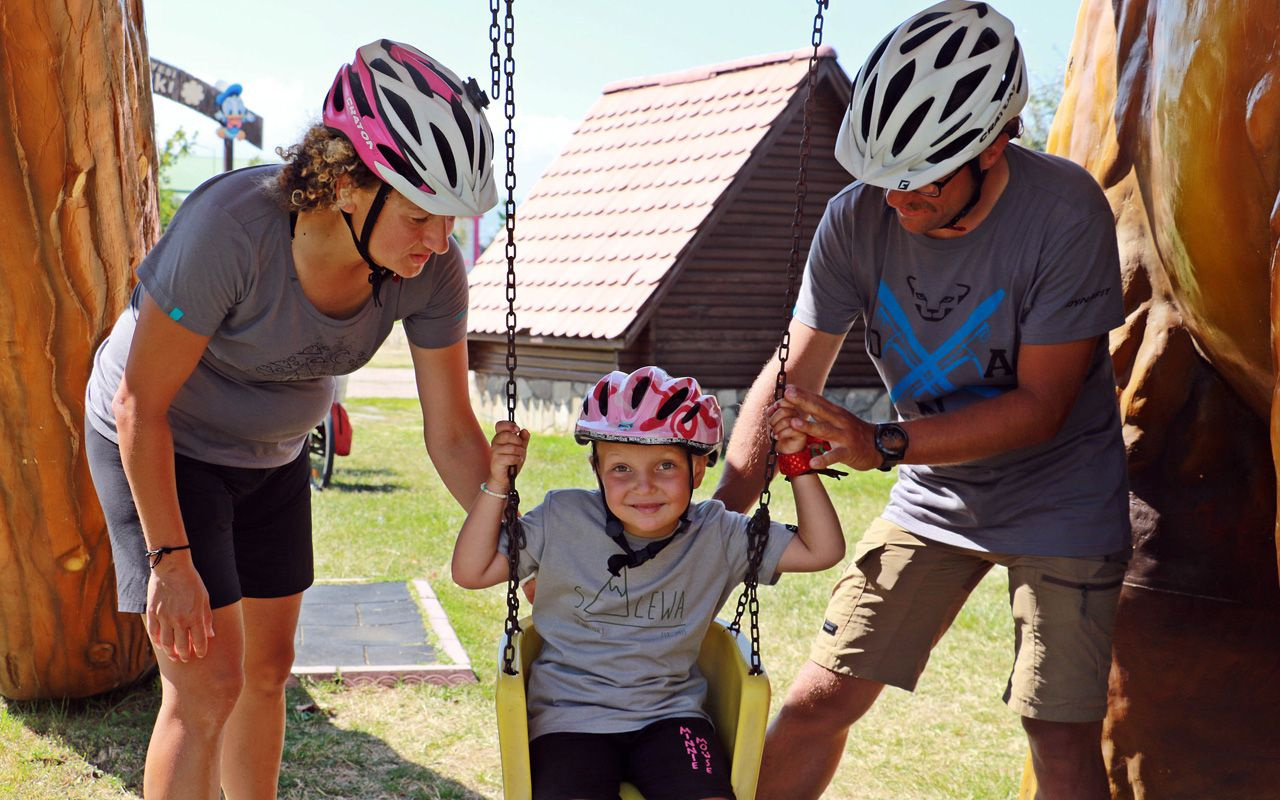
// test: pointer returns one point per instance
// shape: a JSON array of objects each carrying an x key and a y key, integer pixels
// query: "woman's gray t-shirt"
[
  {"x": 620, "y": 653},
  {"x": 944, "y": 321},
  {"x": 225, "y": 269}
]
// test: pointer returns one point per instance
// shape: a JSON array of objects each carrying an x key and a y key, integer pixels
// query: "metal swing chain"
[
  {"x": 758, "y": 528},
  {"x": 511, "y": 516}
]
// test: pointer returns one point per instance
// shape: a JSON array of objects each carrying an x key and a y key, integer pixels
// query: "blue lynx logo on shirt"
[{"x": 931, "y": 373}]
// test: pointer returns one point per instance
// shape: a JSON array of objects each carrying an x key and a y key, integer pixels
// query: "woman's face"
[{"x": 404, "y": 237}]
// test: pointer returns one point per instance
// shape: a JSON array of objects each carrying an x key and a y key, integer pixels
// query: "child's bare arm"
[
  {"x": 477, "y": 562},
  {"x": 819, "y": 540}
]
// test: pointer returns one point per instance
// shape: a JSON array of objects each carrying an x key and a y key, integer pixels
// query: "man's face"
[{"x": 919, "y": 213}]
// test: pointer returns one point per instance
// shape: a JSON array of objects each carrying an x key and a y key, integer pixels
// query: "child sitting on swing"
[{"x": 629, "y": 578}]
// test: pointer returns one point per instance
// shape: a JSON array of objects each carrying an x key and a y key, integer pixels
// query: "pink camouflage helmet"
[
  {"x": 650, "y": 407},
  {"x": 417, "y": 127}
]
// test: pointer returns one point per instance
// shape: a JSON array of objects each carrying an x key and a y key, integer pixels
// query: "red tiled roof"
[{"x": 600, "y": 231}]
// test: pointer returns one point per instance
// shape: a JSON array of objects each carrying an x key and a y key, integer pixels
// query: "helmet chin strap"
[
  {"x": 377, "y": 272},
  {"x": 979, "y": 175},
  {"x": 613, "y": 527}
]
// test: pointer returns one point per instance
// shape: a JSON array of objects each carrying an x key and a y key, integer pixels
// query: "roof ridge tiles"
[{"x": 709, "y": 71}]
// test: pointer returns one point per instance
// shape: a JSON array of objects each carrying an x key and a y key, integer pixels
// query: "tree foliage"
[{"x": 178, "y": 145}]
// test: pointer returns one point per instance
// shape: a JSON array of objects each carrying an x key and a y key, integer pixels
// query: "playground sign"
[{"x": 220, "y": 104}]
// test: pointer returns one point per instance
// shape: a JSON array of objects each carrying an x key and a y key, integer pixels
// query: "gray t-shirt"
[
  {"x": 620, "y": 653},
  {"x": 225, "y": 269},
  {"x": 944, "y": 321}
]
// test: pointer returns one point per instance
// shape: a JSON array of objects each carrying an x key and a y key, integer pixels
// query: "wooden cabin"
[{"x": 661, "y": 235}]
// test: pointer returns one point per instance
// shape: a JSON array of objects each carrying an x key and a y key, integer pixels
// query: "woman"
[{"x": 202, "y": 397}]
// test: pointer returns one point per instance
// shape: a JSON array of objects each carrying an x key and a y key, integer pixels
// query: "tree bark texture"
[
  {"x": 77, "y": 196},
  {"x": 1174, "y": 106}
]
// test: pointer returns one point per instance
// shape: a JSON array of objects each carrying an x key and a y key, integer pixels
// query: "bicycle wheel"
[{"x": 320, "y": 453}]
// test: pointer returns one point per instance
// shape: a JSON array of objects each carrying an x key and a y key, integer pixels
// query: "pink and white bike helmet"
[
  {"x": 651, "y": 407},
  {"x": 417, "y": 127}
]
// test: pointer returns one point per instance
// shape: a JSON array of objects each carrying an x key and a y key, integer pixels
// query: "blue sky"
[{"x": 286, "y": 53}]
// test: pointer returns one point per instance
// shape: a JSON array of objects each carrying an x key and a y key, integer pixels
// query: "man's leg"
[
  {"x": 1067, "y": 758},
  {"x": 1064, "y": 611},
  {"x": 807, "y": 738},
  {"x": 894, "y": 601}
]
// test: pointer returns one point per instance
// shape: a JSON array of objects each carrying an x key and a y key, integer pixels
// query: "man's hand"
[{"x": 852, "y": 440}]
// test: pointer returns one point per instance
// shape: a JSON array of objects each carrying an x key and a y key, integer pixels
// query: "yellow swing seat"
[{"x": 737, "y": 701}]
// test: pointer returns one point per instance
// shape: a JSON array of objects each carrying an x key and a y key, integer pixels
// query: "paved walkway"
[
  {"x": 373, "y": 633},
  {"x": 378, "y": 633}
]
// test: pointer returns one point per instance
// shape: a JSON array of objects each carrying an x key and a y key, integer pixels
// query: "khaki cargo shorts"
[{"x": 900, "y": 593}]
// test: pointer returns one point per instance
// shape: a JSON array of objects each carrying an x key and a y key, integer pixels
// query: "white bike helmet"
[{"x": 934, "y": 94}]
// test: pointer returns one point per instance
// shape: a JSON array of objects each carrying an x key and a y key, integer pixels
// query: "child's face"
[{"x": 647, "y": 486}]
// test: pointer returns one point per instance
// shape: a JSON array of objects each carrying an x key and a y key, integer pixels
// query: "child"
[{"x": 629, "y": 578}]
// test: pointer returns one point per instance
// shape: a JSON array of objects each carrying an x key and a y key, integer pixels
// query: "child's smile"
[{"x": 647, "y": 487}]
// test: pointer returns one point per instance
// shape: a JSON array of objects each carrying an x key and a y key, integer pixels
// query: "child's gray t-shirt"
[
  {"x": 944, "y": 321},
  {"x": 621, "y": 653},
  {"x": 225, "y": 269}
]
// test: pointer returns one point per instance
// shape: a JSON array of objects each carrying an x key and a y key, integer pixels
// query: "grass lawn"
[{"x": 387, "y": 517}]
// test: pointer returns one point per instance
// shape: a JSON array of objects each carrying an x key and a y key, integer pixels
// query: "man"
[{"x": 988, "y": 277}]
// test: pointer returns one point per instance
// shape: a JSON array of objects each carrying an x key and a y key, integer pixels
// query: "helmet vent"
[
  {"x": 446, "y": 155},
  {"x": 898, "y": 85},
  {"x": 602, "y": 397},
  {"x": 866, "y": 107},
  {"x": 922, "y": 37},
  {"x": 398, "y": 164},
  {"x": 924, "y": 19},
  {"x": 950, "y": 131},
  {"x": 673, "y": 403},
  {"x": 637, "y": 394},
  {"x": 690, "y": 414},
  {"x": 339, "y": 96},
  {"x": 381, "y": 65},
  {"x": 358, "y": 95},
  {"x": 947, "y": 53},
  {"x": 1010, "y": 71},
  {"x": 979, "y": 8},
  {"x": 957, "y": 145},
  {"x": 464, "y": 127},
  {"x": 987, "y": 40},
  {"x": 405, "y": 113},
  {"x": 964, "y": 89},
  {"x": 910, "y": 126},
  {"x": 420, "y": 81}
]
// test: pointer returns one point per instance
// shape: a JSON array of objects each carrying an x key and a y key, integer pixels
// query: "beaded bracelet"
[
  {"x": 797, "y": 463},
  {"x": 484, "y": 487}
]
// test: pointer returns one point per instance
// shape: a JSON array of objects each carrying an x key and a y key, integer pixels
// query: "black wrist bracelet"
[{"x": 157, "y": 555}]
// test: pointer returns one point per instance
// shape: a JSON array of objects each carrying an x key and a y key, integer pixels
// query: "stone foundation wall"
[{"x": 547, "y": 406}]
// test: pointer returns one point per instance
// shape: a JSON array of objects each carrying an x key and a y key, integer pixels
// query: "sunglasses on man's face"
[{"x": 935, "y": 189}]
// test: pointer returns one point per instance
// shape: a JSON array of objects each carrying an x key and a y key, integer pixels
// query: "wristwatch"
[{"x": 891, "y": 443}]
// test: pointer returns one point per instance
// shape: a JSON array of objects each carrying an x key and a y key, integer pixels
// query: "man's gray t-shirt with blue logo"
[
  {"x": 944, "y": 321},
  {"x": 621, "y": 652},
  {"x": 225, "y": 269}
]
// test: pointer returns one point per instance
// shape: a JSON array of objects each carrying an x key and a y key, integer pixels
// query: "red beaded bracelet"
[{"x": 797, "y": 463}]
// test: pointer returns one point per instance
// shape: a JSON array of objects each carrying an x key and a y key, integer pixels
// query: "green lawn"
[{"x": 388, "y": 518}]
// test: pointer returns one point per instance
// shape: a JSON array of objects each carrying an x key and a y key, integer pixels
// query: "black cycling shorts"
[
  {"x": 671, "y": 759},
  {"x": 249, "y": 529}
]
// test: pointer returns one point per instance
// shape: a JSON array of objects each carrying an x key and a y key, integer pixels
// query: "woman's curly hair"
[{"x": 309, "y": 178}]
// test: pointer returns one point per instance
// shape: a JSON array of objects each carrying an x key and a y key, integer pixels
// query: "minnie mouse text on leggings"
[{"x": 696, "y": 746}]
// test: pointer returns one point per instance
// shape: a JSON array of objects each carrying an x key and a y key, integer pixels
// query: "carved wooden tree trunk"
[
  {"x": 77, "y": 178},
  {"x": 1174, "y": 106}
]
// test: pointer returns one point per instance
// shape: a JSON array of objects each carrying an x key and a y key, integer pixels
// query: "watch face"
[{"x": 891, "y": 440}]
